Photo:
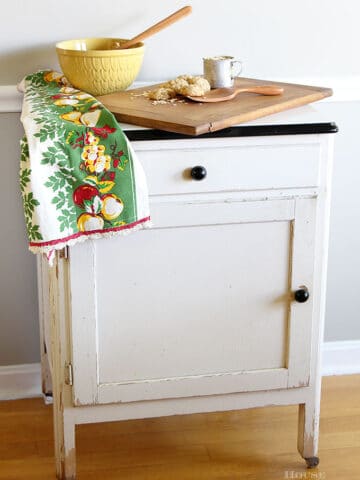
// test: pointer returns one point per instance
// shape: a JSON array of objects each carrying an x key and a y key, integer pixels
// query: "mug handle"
[{"x": 235, "y": 71}]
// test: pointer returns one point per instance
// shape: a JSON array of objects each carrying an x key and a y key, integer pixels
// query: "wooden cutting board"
[{"x": 193, "y": 118}]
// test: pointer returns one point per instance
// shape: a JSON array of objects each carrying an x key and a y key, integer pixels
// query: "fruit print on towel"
[
  {"x": 98, "y": 209},
  {"x": 98, "y": 205},
  {"x": 84, "y": 162}
]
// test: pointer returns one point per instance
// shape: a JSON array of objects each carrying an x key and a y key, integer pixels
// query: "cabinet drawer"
[{"x": 231, "y": 168}]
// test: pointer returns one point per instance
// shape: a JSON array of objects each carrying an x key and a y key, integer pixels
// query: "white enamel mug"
[{"x": 220, "y": 71}]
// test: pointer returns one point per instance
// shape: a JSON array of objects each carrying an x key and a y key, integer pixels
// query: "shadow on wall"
[{"x": 15, "y": 65}]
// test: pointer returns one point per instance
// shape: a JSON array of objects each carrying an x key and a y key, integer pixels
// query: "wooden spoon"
[
  {"x": 166, "y": 22},
  {"x": 223, "y": 94}
]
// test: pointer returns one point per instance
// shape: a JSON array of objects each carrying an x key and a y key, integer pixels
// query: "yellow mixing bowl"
[{"x": 95, "y": 66}]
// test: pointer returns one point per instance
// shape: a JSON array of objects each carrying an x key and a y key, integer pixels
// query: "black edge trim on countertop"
[{"x": 239, "y": 131}]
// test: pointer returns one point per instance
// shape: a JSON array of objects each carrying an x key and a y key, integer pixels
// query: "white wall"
[{"x": 279, "y": 39}]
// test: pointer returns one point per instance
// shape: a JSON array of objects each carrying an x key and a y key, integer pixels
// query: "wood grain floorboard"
[{"x": 255, "y": 444}]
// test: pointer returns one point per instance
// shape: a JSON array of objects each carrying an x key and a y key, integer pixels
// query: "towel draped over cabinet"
[{"x": 79, "y": 176}]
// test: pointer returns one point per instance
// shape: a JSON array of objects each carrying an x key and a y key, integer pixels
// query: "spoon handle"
[
  {"x": 166, "y": 22},
  {"x": 262, "y": 90}
]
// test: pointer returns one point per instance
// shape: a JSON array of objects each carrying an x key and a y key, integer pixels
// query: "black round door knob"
[
  {"x": 198, "y": 173},
  {"x": 302, "y": 295}
]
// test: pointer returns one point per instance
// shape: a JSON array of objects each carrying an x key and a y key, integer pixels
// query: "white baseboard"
[
  {"x": 341, "y": 358},
  {"x": 20, "y": 381},
  {"x": 24, "y": 381}
]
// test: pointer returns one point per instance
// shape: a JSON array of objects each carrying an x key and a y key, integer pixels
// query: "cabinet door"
[{"x": 200, "y": 304}]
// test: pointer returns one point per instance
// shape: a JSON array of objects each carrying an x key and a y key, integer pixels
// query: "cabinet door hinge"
[
  {"x": 64, "y": 253},
  {"x": 68, "y": 374}
]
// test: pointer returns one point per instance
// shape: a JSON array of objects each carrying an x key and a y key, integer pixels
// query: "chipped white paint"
[{"x": 196, "y": 314}]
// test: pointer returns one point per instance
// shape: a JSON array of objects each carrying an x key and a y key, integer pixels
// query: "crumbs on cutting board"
[
  {"x": 173, "y": 91},
  {"x": 170, "y": 101}
]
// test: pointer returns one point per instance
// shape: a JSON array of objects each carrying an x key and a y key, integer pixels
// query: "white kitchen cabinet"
[{"x": 219, "y": 306}]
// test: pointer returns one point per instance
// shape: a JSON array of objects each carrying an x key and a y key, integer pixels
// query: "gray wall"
[
  {"x": 342, "y": 312},
  {"x": 19, "y": 338},
  {"x": 278, "y": 39}
]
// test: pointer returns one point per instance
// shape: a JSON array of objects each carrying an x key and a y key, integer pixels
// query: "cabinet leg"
[
  {"x": 65, "y": 453},
  {"x": 64, "y": 422},
  {"x": 308, "y": 432}
]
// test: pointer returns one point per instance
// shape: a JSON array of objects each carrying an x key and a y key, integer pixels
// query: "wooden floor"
[{"x": 257, "y": 444}]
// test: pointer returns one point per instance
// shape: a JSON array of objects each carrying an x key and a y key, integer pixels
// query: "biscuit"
[
  {"x": 177, "y": 84},
  {"x": 162, "y": 93},
  {"x": 187, "y": 85},
  {"x": 197, "y": 87}
]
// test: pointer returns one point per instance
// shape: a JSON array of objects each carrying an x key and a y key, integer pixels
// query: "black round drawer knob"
[
  {"x": 302, "y": 295},
  {"x": 198, "y": 173}
]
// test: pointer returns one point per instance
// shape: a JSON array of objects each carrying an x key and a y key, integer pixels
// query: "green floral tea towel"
[{"x": 79, "y": 176}]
